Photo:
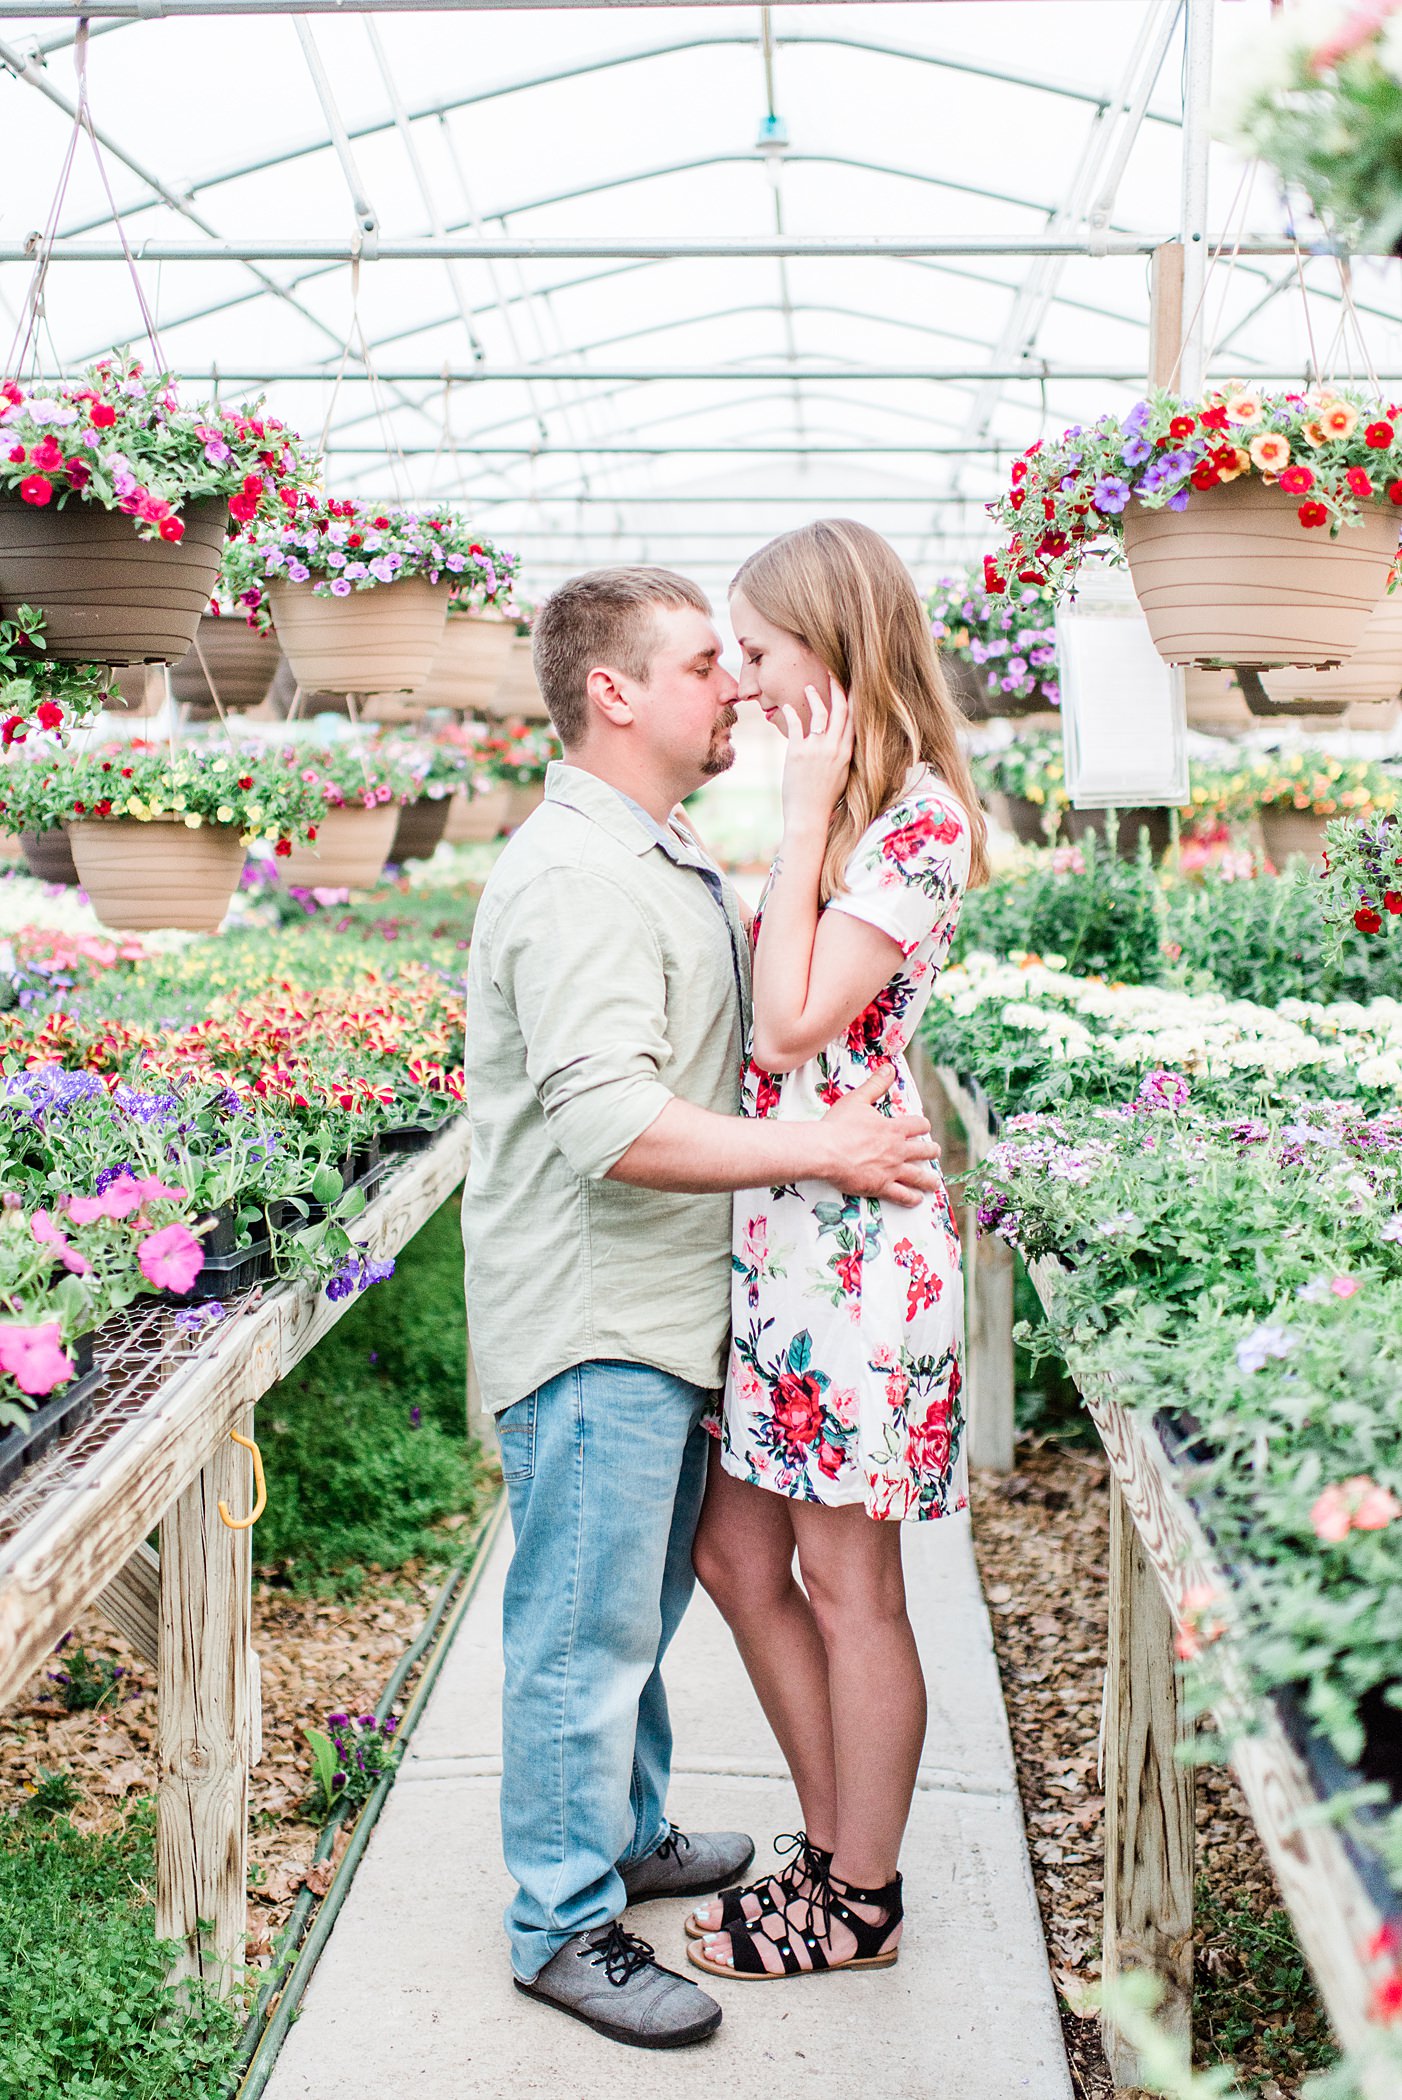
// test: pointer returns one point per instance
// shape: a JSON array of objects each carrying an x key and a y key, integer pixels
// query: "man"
[{"x": 608, "y": 996}]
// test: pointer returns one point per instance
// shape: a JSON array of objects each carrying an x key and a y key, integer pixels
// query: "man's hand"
[{"x": 875, "y": 1155}]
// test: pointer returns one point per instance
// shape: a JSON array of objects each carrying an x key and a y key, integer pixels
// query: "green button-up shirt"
[{"x": 609, "y": 973}]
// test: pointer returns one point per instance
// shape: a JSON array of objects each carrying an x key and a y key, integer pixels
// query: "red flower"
[
  {"x": 12, "y": 732},
  {"x": 1394, "y": 492},
  {"x": 1018, "y": 498},
  {"x": 1385, "y": 2005},
  {"x": 1297, "y": 481},
  {"x": 283, "y": 847},
  {"x": 48, "y": 714},
  {"x": 1313, "y": 514},
  {"x": 829, "y": 1458},
  {"x": 798, "y": 1410},
  {"x": 17, "y": 456},
  {"x": 171, "y": 529},
  {"x": 1182, "y": 426},
  {"x": 243, "y": 507},
  {"x": 1367, "y": 920},
  {"x": 849, "y": 1272},
  {"x": 103, "y": 808},
  {"x": 35, "y": 489},
  {"x": 1019, "y": 470},
  {"x": 1379, "y": 436},
  {"x": 79, "y": 473},
  {"x": 1030, "y": 576},
  {"x": 993, "y": 583},
  {"x": 245, "y": 780},
  {"x": 47, "y": 454},
  {"x": 1205, "y": 475},
  {"x": 1214, "y": 419},
  {"x": 1392, "y": 901},
  {"x": 1357, "y": 479},
  {"x": 103, "y": 415}
]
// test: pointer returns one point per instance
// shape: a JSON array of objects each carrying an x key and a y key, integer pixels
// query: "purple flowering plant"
[
  {"x": 338, "y": 547},
  {"x": 350, "y": 1756},
  {"x": 1008, "y": 638}
]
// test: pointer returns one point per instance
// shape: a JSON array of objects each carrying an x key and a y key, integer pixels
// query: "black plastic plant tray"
[
  {"x": 222, "y": 1237},
  {"x": 225, "y": 1275},
  {"x": 411, "y": 1137},
  {"x": 23, "y": 1443}
]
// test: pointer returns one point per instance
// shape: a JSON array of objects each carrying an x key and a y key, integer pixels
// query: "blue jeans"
[{"x": 605, "y": 1467}]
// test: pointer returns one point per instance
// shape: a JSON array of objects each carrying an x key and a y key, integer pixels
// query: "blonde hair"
[{"x": 842, "y": 591}]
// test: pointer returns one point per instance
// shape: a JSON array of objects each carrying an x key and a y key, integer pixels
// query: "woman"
[{"x": 842, "y": 1408}]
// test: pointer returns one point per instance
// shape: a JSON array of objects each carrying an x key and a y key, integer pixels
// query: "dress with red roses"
[{"x": 845, "y": 1382}]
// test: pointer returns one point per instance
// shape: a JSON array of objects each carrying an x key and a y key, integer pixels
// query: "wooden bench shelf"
[
  {"x": 157, "y": 1452},
  {"x": 1336, "y": 1896}
]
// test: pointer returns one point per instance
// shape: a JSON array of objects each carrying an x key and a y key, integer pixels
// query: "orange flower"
[
  {"x": 1244, "y": 408},
  {"x": 1270, "y": 452},
  {"x": 1339, "y": 419}
]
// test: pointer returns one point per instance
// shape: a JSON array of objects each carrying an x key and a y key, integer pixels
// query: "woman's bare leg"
[
  {"x": 851, "y": 1569},
  {"x": 744, "y": 1555}
]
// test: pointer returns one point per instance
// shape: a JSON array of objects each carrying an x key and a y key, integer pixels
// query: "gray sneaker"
[
  {"x": 612, "y": 1981},
  {"x": 689, "y": 1866}
]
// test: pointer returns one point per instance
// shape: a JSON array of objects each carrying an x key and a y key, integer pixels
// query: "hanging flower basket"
[
  {"x": 350, "y": 851},
  {"x": 1233, "y": 579},
  {"x": 1373, "y": 673},
  {"x": 114, "y": 506},
  {"x": 241, "y": 661},
  {"x": 517, "y": 692},
  {"x": 472, "y": 817},
  {"x": 1258, "y": 530},
  {"x": 108, "y": 597},
  {"x": 471, "y": 660},
  {"x": 141, "y": 875},
  {"x": 997, "y": 649},
  {"x": 359, "y": 596},
  {"x": 380, "y": 641},
  {"x": 421, "y": 825},
  {"x": 50, "y": 857}
]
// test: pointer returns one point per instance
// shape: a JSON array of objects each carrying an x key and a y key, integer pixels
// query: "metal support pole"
[
  {"x": 660, "y": 248},
  {"x": 1197, "y": 91}
]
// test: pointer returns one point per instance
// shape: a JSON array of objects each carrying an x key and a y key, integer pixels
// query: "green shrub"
[
  {"x": 87, "y": 2012},
  {"x": 365, "y": 1445},
  {"x": 1108, "y": 921},
  {"x": 1266, "y": 940}
]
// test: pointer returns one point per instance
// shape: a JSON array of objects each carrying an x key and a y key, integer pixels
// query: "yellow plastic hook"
[{"x": 260, "y": 1487}]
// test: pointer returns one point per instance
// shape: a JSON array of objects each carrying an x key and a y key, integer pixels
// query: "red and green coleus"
[
  {"x": 120, "y": 438},
  {"x": 1332, "y": 452}
]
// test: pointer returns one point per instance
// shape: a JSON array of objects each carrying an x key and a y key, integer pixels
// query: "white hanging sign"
[{"x": 1123, "y": 712}]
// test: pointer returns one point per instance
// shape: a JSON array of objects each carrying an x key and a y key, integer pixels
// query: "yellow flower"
[
  {"x": 136, "y": 807},
  {"x": 193, "y": 820},
  {"x": 224, "y": 813},
  {"x": 1034, "y": 793},
  {"x": 178, "y": 803}
]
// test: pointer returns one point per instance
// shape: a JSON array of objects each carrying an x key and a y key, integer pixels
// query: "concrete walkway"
[{"x": 413, "y": 1994}]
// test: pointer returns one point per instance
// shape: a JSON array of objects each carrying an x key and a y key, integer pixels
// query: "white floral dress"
[{"x": 845, "y": 1381}]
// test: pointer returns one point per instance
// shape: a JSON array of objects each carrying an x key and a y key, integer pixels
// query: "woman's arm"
[{"x": 814, "y": 972}]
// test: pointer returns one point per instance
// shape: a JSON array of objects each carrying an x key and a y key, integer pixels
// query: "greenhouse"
[{"x": 701, "y": 1048}]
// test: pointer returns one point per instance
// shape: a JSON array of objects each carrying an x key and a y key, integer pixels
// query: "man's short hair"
[{"x": 602, "y": 617}]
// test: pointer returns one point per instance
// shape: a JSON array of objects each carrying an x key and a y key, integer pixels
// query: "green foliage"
[
  {"x": 1107, "y": 920},
  {"x": 87, "y": 2011},
  {"x": 365, "y": 1445},
  {"x": 1046, "y": 1402},
  {"x": 1268, "y": 940},
  {"x": 53, "y": 1794},
  {"x": 87, "y": 1681},
  {"x": 324, "y": 1766},
  {"x": 1252, "y": 1990}
]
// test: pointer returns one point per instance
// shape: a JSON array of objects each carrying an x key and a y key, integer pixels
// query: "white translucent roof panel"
[{"x": 798, "y": 385}]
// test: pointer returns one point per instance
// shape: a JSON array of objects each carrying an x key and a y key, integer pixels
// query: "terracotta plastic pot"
[
  {"x": 968, "y": 687},
  {"x": 1373, "y": 672},
  {"x": 107, "y": 596},
  {"x": 377, "y": 641},
  {"x": 139, "y": 876},
  {"x": 1077, "y": 823},
  {"x": 241, "y": 662},
  {"x": 1025, "y": 820},
  {"x": 1236, "y": 579},
  {"x": 517, "y": 695},
  {"x": 50, "y": 857},
  {"x": 1288, "y": 832},
  {"x": 421, "y": 825},
  {"x": 350, "y": 850},
  {"x": 521, "y": 801},
  {"x": 481, "y": 816},
  {"x": 472, "y": 656}
]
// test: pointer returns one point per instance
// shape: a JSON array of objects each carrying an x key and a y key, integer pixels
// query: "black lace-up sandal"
[
  {"x": 806, "y": 1865},
  {"x": 800, "y": 1933}
]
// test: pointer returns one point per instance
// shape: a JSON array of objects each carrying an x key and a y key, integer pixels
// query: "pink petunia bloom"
[
  {"x": 1330, "y": 1516},
  {"x": 171, "y": 1259},
  {"x": 34, "y": 1357},
  {"x": 152, "y": 1188},
  {"x": 1376, "y": 1507},
  {"x": 1345, "y": 1286},
  {"x": 45, "y": 1231}
]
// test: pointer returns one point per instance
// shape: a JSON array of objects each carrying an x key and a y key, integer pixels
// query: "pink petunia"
[
  {"x": 1330, "y": 1516},
  {"x": 34, "y": 1357},
  {"x": 1345, "y": 1286},
  {"x": 171, "y": 1259}
]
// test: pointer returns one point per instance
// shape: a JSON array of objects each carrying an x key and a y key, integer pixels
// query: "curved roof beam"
[{"x": 445, "y": 105}]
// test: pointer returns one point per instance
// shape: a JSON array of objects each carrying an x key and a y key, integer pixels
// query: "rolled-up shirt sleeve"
[{"x": 581, "y": 969}]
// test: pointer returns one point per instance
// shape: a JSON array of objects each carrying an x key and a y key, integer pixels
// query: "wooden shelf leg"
[
  {"x": 203, "y": 1723},
  {"x": 1148, "y": 1795},
  {"x": 988, "y": 1346}
]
